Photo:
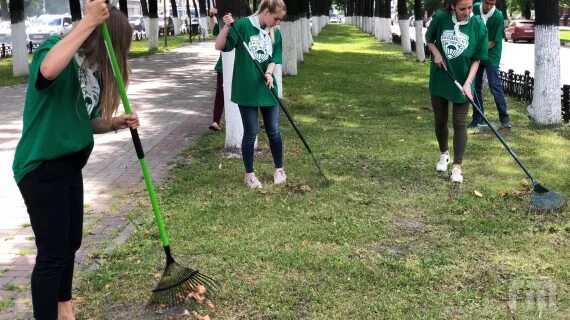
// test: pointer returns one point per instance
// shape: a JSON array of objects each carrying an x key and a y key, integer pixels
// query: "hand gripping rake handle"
[
  {"x": 274, "y": 92},
  {"x": 509, "y": 149},
  {"x": 135, "y": 136}
]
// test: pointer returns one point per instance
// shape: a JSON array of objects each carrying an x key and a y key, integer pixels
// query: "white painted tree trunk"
[
  {"x": 299, "y": 41},
  {"x": 152, "y": 33},
  {"x": 377, "y": 28},
  {"x": 303, "y": 22},
  {"x": 234, "y": 127},
  {"x": 279, "y": 79},
  {"x": 387, "y": 30},
  {"x": 405, "y": 36},
  {"x": 289, "y": 48},
  {"x": 204, "y": 24},
  {"x": 19, "y": 50},
  {"x": 545, "y": 108},
  {"x": 146, "y": 21},
  {"x": 177, "y": 24},
  {"x": 420, "y": 53},
  {"x": 309, "y": 33},
  {"x": 315, "y": 26}
]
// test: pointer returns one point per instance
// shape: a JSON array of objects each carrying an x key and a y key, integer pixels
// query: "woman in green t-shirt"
[
  {"x": 70, "y": 96},
  {"x": 249, "y": 91},
  {"x": 462, "y": 38}
]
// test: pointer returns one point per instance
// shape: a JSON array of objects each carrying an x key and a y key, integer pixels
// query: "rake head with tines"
[{"x": 180, "y": 284}]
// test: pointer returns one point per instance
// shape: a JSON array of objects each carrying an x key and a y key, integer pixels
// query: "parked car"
[
  {"x": 333, "y": 18},
  {"x": 137, "y": 22},
  {"x": 520, "y": 30},
  {"x": 169, "y": 27},
  {"x": 48, "y": 25}
]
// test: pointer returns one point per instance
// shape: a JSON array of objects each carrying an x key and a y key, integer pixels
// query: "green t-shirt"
[
  {"x": 458, "y": 53},
  {"x": 495, "y": 33},
  {"x": 56, "y": 120},
  {"x": 218, "y": 67},
  {"x": 248, "y": 85}
]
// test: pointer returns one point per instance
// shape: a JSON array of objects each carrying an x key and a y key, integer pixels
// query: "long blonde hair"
[
  {"x": 96, "y": 54},
  {"x": 272, "y": 6}
]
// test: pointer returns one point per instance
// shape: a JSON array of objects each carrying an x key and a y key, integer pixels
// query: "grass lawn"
[
  {"x": 565, "y": 35},
  {"x": 390, "y": 238},
  {"x": 138, "y": 49}
]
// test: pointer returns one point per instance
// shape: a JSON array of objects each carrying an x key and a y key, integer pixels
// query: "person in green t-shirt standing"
[
  {"x": 70, "y": 96},
  {"x": 219, "y": 98},
  {"x": 493, "y": 19},
  {"x": 249, "y": 91},
  {"x": 458, "y": 41}
]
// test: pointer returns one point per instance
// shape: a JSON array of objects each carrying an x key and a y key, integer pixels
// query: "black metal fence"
[
  {"x": 6, "y": 49},
  {"x": 396, "y": 38},
  {"x": 521, "y": 86}
]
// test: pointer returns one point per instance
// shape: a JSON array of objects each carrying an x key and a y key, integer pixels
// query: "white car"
[{"x": 48, "y": 25}]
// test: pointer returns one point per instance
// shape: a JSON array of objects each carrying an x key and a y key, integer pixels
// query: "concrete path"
[{"x": 173, "y": 95}]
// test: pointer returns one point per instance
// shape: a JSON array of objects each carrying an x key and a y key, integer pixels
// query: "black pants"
[
  {"x": 53, "y": 194},
  {"x": 459, "y": 117}
]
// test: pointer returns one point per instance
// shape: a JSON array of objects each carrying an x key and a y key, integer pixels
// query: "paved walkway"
[{"x": 173, "y": 94}]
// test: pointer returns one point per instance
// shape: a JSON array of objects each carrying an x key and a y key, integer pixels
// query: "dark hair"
[{"x": 448, "y": 4}]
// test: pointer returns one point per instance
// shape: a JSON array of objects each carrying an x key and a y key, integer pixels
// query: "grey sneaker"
[
  {"x": 507, "y": 125},
  {"x": 251, "y": 181},
  {"x": 456, "y": 175},
  {"x": 279, "y": 177}
]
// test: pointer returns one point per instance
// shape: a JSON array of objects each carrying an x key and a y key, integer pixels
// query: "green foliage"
[
  {"x": 57, "y": 6},
  {"x": 433, "y": 5},
  {"x": 36, "y": 7},
  {"x": 390, "y": 238}
]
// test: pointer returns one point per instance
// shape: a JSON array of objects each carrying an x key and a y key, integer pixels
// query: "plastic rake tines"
[
  {"x": 180, "y": 284},
  {"x": 541, "y": 199}
]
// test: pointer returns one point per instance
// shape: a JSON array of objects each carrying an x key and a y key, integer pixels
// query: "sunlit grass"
[{"x": 389, "y": 238}]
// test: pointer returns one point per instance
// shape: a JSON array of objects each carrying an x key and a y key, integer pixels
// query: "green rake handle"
[{"x": 135, "y": 135}]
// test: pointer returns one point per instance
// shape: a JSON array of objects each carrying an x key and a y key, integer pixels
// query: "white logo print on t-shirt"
[
  {"x": 259, "y": 47},
  {"x": 453, "y": 46}
]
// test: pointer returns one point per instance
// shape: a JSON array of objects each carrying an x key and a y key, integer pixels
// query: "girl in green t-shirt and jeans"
[
  {"x": 70, "y": 96},
  {"x": 462, "y": 38},
  {"x": 249, "y": 91}
]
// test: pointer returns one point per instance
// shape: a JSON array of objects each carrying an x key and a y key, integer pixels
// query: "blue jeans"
[
  {"x": 250, "y": 126},
  {"x": 496, "y": 89}
]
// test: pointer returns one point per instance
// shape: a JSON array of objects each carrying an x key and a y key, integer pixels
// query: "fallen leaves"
[{"x": 478, "y": 194}]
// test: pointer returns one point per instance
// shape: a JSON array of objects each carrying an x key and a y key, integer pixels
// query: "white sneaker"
[
  {"x": 251, "y": 181},
  {"x": 279, "y": 177},
  {"x": 456, "y": 175},
  {"x": 441, "y": 165}
]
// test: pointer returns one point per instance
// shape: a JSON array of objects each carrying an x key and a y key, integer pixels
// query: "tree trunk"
[
  {"x": 526, "y": 12},
  {"x": 144, "y": 9},
  {"x": 545, "y": 109},
  {"x": 4, "y": 10},
  {"x": 387, "y": 26},
  {"x": 418, "y": 16},
  {"x": 404, "y": 26},
  {"x": 19, "y": 45},
  {"x": 75, "y": 9},
  {"x": 152, "y": 31},
  {"x": 123, "y": 7}
]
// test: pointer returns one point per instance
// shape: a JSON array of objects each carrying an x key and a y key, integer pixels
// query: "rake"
[
  {"x": 287, "y": 114},
  {"x": 541, "y": 199},
  {"x": 178, "y": 284}
]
